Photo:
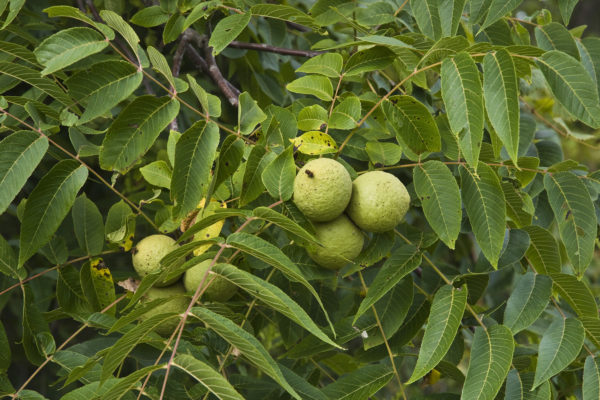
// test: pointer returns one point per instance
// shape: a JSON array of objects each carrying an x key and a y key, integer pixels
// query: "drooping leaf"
[
  {"x": 227, "y": 30},
  {"x": 8, "y": 259},
  {"x": 134, "y": 131},
  {"x": 527, "y": 301},
  {"x": 103, "y": 86},
  {"x": 316, "y": 85},
  {"x": 413, "y": 124},
  {"x": 328, "y": 64},
  {"x": 462, "y": 94},
  {"x": 444, "y": 320},
  {"x": 519, "y": 206},
  {"x": 559, "y": 346},
  {"x": 543, "y": 251},
  {"x": 20, "y": 153},
  {"x": 440, "y": 198},
  {"x": 400, "y": 263},
  {"x": 207, "y": 376},
  {"x": 194, "y": 156},
  {"x": 501, "y": 92},
  {"x": 572, "y": 86},
  {"x": 577, "y": 294},
  {"x": 278, "y": 176},
  {"x": 68, "y": 46},
  {"x": 272, "y": 296},
  {"x": 247, "y": 344},
  {"x": 484, "y": 202},
  {"x": 491, "y": 357},
  {"x": 210, "y": 103},
  {"x": 48, "y": 204},
  {"x": 276, "y": 218},
  {"x": 427, "y": 15},
  {"x": 230, "y": 157},
  {"x": 252, "y": 185},
  {"x": 88, "y": 225},
  {"x": 160, "y": 64},
  {"x": 575, "y": 215},
  {"x": 361, "y": 383}
]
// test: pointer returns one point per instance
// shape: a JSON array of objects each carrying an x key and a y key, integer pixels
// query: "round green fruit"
[
  {"x": 322, "y": 189},
  {"x": 178, "y": 304},
  {"x": 219, "y": 289},
  {"x": 379, "y": 201},
  {"x": 148, "y": 253},
  {"x": 342, "y": 242}
]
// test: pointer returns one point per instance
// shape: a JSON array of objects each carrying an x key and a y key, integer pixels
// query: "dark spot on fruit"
[
  {"x": 309, "y": 173},
  {"x": 207, "y": 235}
]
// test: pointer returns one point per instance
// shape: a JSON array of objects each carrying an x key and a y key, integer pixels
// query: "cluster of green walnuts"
[{"x": 339, "y": 208}]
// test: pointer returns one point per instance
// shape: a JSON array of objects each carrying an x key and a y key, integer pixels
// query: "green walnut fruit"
[
  {"x": 178, "y": 304},
  {"x": 219, "y": 289},
  {"x": 342, "y": 242},
  {"x": 148, "y": 253},
  {"x": 379, "y": 201},
  {"x": 322, "y": 189}
]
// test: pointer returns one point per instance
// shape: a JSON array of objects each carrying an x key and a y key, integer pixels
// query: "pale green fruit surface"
[
  {"x": 322, "y": 189},
  {"x": 379, "y": 201},
  {"x": 178, "y": 304},
  {"x": 342, "y": 242},
  {"x": 220, "y": 289},
  {"x": 148, "y": 253}
]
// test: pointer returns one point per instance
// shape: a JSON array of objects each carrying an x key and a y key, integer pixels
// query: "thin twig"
[
  {"x": 177, "y": 60},
  {"x": 215, "y": 73}
]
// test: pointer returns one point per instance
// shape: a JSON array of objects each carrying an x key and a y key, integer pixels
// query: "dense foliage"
[{"x": 119, "y": 119}]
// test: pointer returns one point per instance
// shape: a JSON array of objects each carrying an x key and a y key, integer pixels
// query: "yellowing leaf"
[{"x": 315, "y": 142}]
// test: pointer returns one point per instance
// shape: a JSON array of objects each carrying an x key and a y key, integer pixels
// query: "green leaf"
[
  {"x": 20, "y": 153},
  {"x": 450, "y": 15},
  {"x": 194, "y": 156},
  {"x": 18, "y": 51},
  {"x": 134, "y": 131},
  {"x": 566, "y": 9},
  {"x": 518, "y": 387},
  {"x": 384, "y": 153},
  {"x": 116, "y": 22},
  {"x": 527, "y": 301},
  {"x": 97, "y": 285},
  {"x": 519, "y": 206},
  {"x": 555, "y": 36},
  {"x": 377, "y": 13},
  {"x": 572, "y": 86},
  {"x": 247, "y": 344},
  {"x": 328, "y": 64},
  {"x": 5, "y": 353},
  {"x": 34, "y": 327},
  {"x": 577, "y": 294},
  {"x": 117, "y": 222},
  {"x": 283, "y": 12},
  {"x": 501, "y": 92},
  {"x": 591, "y": 379},
  {"x": 103, "y": 86},
  {"x": 361, "y": 383},
  {"x": 272, "y": 296},
  {"x": 48, "y": 204},
  {"x": 278, "y": 176},
  {"x": 13, "y": 11},
  {"x": 575, "y": 215},
  {"x": 68, "y": 46},
  {"x": 88, "y": 225},
  {"x": 173, "y": 28},
  {"x": 444, "y": 320},
  {"x": 230, "y": 157},
  {"x": 316, "y": 85},
  {"x": 252, "y": 185},
  {"x": 215, "y": 216},
  {"x": 491, "y": 357},
  {"x": 373, "y": 59},
  {"x": 462, "y": 94},
  {"x": 312, "y": 118},
  {"x": 400, "y": 263},
  {"x": 159, "y": 62},
  {"x": 543, "y": 253},
  {"x": 249, "y": 114},
  {"x": 305, "y": 389},
  {"x": 157, "y": 173},
  {"x": 8, "y": 259},
  {"x": 227, "y": 30},
  {"x": 592, "y": 46},
  {"x": 149, "y": 17},
  {"x": 440, "y": 198},
  {"x": 346, "y": 114},
  {"x": 413, "y": 124},
  {"x": 443, "y": 48},
  {"x": 210, "y": 103},
  {"x": 272, "y": 255},
  {"x": 558, "y": 348},
  {"x": 315, "y": 143},
  {"x": 124, "y": 385},
  {"x": 75, "y": 13},
  {"x": 497, "y": 9},
  {"x": 486, "y": 208},
  {"x": 207, "y": 376},
  {"x": 32, "y": 78},
  {"x": 284, "y": 222},
  {"x": 427, "y": 15}
]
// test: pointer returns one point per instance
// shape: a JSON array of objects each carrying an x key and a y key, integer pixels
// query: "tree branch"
[
  {"x": 177, "y": 60},
  {"x": 274, "y": 49}
]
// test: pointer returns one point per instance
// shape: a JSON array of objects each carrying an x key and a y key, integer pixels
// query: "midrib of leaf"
[
  {"x": 483, "y": 207},
  {"x": 526, "y": 302},
  {"x": 489, "y": 363},
  {"x": 505, "y": 98},
  {"x": 358, "y": 388},
  {"x": 35, "y": 82},
  {"x": 111, "y": 83},
  {"x": 139, "y": 128},
  {"x": 573, "y": 91},
  {"x": 188, "y": 172},
  {"x": 49, "y": 205},
  {"x": 557, "y": 350},
  {"x": 437, "y": 198},
  {"x": 21, "y": 155},
  {"x": 411, "y": 122}
]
